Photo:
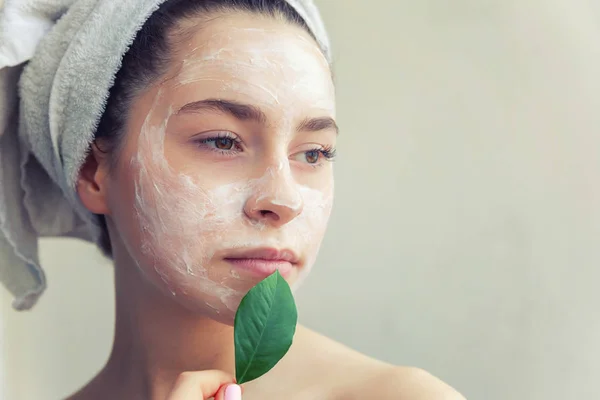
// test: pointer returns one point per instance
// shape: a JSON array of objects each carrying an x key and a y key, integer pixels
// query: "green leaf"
[{"x": 265, "y": 323}]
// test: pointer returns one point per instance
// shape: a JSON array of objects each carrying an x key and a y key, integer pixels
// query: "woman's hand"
[{"x": 205, "y": 385}]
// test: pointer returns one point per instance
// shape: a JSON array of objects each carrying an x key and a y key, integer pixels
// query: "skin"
[{"x": 173, "y": 224}]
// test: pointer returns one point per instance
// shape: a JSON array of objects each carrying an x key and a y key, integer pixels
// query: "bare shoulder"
[
  {"x": 409, "y": 383},
  {"x": 351, "y": 375}
]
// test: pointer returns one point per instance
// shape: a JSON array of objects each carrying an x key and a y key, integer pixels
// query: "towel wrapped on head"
[{"x": 58, "y": 61}]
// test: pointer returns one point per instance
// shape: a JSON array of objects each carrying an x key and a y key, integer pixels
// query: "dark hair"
[{"x": 148, "y": 58}]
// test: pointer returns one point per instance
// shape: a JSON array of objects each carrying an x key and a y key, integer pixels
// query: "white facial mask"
[{"x": 186, "y": 227}]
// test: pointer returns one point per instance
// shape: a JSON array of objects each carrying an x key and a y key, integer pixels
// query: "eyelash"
[{"x": 328, "y": 152}]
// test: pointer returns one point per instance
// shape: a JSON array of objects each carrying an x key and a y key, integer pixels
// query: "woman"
[{"x": 211, "y": 168}]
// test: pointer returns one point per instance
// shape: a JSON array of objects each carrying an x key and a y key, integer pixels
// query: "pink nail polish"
[{"x": 233, "y": 392}]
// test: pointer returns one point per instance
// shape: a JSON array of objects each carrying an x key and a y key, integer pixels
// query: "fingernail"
[{"x": 233, "y": 392}]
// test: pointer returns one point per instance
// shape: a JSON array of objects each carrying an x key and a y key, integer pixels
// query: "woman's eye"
[
  {"x": 308, "y": 157},
  {"x": 315, "y": 157},
  {"x": 312, "y": 157},
  {"x": 224, "y": 143}
]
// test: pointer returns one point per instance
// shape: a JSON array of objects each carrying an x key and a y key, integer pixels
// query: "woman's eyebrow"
[
  {"x": 238, "y": 110},
  {"x": 246, "y": 112},
  {"x": 318, "y": 124}
]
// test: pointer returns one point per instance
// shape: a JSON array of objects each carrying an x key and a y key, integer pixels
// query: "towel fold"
[{"x": 58, "y": 61}]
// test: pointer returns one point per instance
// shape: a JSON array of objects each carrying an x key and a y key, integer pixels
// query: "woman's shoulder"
[
  {"x": 347, "y": 374},
  {"x": 394, "y": 382}
]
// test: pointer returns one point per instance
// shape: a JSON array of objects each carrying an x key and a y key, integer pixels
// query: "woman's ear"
[{"x": 92, "y": 182}]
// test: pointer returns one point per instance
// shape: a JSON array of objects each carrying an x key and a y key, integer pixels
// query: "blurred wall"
[{"x": 465, "y": 234}]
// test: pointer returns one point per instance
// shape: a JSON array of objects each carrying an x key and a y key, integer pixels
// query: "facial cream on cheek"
[{"x": 179, "y": 221}]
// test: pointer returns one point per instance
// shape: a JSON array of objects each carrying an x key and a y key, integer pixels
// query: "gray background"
[{"x": 465, "y": 234}]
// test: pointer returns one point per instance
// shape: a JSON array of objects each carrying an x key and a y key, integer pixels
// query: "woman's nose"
[{"x": 275, "y": 207}]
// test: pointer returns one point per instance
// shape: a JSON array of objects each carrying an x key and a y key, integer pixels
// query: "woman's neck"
[{"x": 156, "y": 339}]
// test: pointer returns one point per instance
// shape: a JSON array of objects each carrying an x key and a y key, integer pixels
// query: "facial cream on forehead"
[{"x": 268, "y": 65}]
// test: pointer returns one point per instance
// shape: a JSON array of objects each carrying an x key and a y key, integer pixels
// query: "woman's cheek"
[{"x": 311, "y": 226}]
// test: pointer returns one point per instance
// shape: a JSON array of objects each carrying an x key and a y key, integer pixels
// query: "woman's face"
[{"x": 224, "y": 175}]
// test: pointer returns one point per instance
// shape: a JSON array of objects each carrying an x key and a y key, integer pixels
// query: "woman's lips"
[
  {"x": 262, "y": 268},
  {"x": 264, "y": 262}
]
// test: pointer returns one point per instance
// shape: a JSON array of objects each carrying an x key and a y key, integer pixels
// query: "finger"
[
  {"x": 199, "y": 385},
  {"x": 229, "y": 392}
]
